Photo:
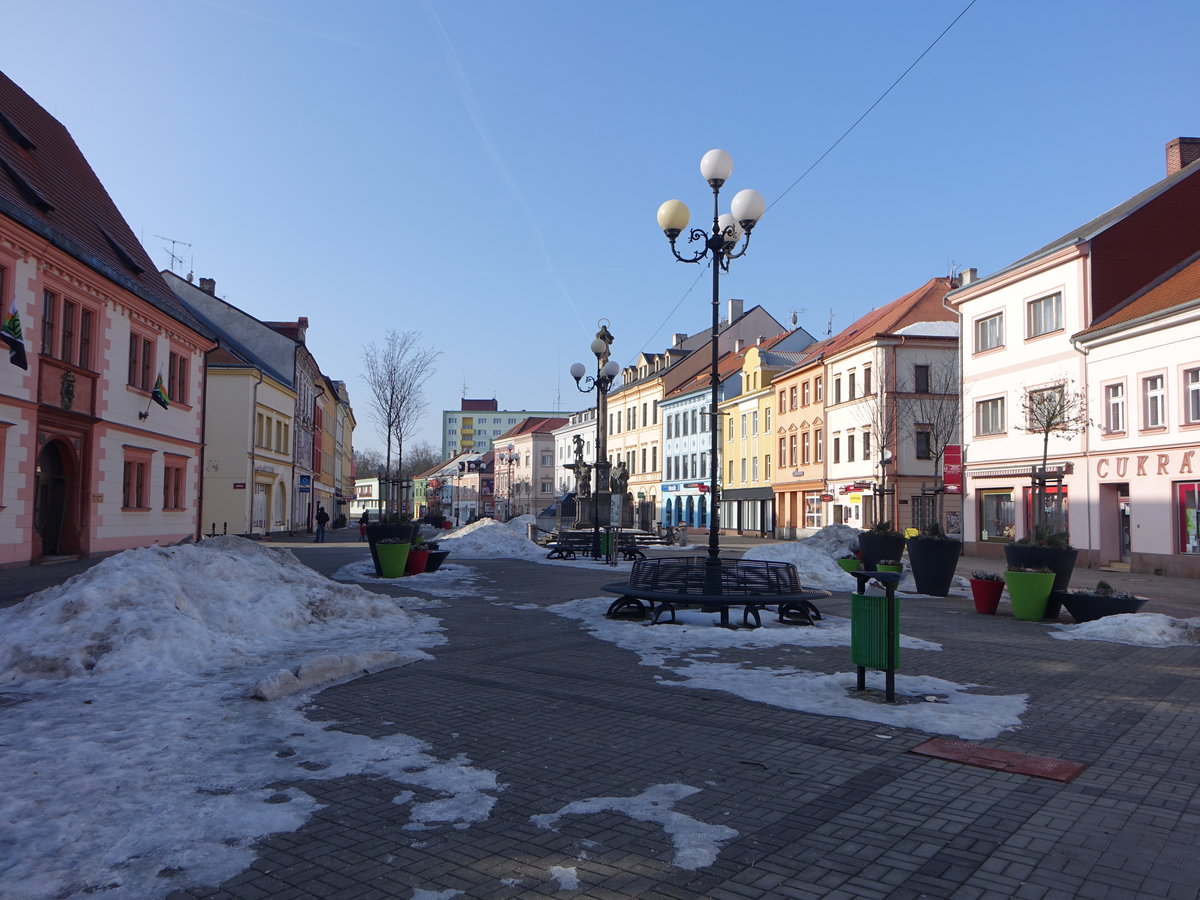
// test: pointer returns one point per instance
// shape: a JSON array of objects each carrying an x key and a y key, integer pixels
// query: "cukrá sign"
[{"x": 1141, "y": 465}]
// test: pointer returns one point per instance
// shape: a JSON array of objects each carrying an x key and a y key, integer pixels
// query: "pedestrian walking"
[
  {"x": 322, "y": 520},
  {"x": 362, "y": 525}
]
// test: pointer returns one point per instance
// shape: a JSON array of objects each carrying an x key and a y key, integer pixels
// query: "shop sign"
[
  {"x": 1145, "y": 464},
  {"x": 827, "y": 498},
  {"x": 241, "y": 486},
  {"x": 952, "y": 469}
]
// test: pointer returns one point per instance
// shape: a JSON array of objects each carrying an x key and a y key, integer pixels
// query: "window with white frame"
[
  {"x": 989, "y": 332},
  {"x": 1191, "y": 393},
  {"x": 923, "y": 441},
  {"x": 1154, "y": 402},
  {"x": 1043, "y": 315},
  {"x": 1114, "y": 408},
  {"x": 1046, "y": 405},
  {"x": 989, "y": 416}
]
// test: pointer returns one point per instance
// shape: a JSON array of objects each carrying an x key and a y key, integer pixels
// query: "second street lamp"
[
  {"x": 717, "y": 249},
  {"x": 601, "y": 382}
]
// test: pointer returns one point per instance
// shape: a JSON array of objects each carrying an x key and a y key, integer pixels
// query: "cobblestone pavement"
[{"x": 822, "y": 806}]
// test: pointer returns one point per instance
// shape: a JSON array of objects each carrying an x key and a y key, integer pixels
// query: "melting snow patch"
[
  {"x": 134, "y": 750},
  {"x": 565, "y": 877},
  {"x": 696, "y": 843},
  {"x": 1138, "y": 629},
  {"x": 686, "y": 651}
]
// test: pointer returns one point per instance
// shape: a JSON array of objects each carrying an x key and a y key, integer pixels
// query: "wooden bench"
[{"x": 666, "y": 584}]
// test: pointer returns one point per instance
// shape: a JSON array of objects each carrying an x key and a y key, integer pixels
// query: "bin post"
[{"x": 862, "y": 645}]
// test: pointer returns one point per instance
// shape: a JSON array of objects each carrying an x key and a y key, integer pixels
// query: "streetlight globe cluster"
[{"x": 719, "y": 248}]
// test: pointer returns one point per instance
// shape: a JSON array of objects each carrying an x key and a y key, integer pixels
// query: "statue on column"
[{"x": 606, "y": 336}]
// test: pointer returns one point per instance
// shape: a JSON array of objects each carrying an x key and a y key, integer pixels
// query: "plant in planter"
[
  {"x": 1029, "y": 588},
  {"x": 391, "y": 556},
  {"x": 986, "y": 588},
  {"x": 933, "y": 557},
  {"x": 889, "y": 565},
  {"x": 849, "y": 563},
  {"x": 1050, "y": 549},
  {"x": 1087, "y": 606},
  {"x": 418, "y": 559},
  {"x": 882, "y": 541}
]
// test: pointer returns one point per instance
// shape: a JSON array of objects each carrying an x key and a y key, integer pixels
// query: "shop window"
[
  {"x": 1054, "y": 508},
  {"x": 812, "y": 511},
  {"x": 996, "y": 519},
  {"x": 1189, "y": 516}
]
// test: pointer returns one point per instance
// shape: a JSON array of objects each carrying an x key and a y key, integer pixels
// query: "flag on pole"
[
  {"x": 11, "y": 332},
  {"x": 159, "y": 394}
]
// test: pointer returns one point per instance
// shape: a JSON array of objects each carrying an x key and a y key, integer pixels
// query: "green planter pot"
[
  {"x": 392, "y": 559},
  {"x": 848, "y": 565},
  {"x": 880, "y": 567},
  {"x": 1029, "y": 592}
]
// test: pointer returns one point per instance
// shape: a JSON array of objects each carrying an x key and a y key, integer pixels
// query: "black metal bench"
[
  {"x": 568, "y": 543},
  {"x": 666, "y": 584}
]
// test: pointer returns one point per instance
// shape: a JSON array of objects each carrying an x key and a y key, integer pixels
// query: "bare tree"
[
  {"x": 397, "y": 374},
  {"x": 1060, "y": 409},
  {"x": 880, "y": 412},
  {"x": 933, "y": 409},
  {"x": 367, "y": 463},
  {"x": 419, "y": 458}
]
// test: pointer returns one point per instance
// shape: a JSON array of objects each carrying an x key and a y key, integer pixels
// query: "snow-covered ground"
[{"x": 136, "y": 760}]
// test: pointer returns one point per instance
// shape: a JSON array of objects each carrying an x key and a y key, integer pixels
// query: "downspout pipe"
[{"x": 250, "y": 457}]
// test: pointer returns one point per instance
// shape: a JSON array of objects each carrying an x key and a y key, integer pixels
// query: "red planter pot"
[
  {"x": 417, "y": 560},
  {"x": 986, "y": 595}
]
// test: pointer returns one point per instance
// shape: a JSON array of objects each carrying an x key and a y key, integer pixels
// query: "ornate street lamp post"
[
  {"x": 606, "y": 373},
  {"x": 507, "y": 455},
  {"x": 718, "y": 249}
]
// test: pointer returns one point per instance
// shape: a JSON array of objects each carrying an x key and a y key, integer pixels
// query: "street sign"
[{"x": 952, "y": 469}]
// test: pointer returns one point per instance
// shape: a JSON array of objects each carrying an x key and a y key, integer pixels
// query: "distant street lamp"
[
  {"x": 606, "y": 372},
  {"x": 507, "y": 455},
  {"x": 718, "y": 249}
]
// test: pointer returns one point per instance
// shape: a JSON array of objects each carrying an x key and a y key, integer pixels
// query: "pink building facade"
[{"x": 91, "y": 464}]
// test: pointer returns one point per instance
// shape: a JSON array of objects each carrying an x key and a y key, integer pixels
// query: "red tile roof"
[
  {"x": 47, "y": 186},
  {"x": 922, "y": 305}
]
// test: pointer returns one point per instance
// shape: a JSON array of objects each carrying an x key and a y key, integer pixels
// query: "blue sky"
[{"x": 487, "y": 174}]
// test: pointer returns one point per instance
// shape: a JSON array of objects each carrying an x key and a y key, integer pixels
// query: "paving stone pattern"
[{"x": 823, "y": 807}]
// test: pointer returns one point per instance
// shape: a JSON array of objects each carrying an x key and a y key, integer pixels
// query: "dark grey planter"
[
  {"x": 1089, "y": 607},
  {"x": 933, "y": 561},
  {"x": 436, "y": 558},
  {"x": 874, "y": 547},
  {"x": 1059, "y": 560},
  {"x": 406, "y": 531}
]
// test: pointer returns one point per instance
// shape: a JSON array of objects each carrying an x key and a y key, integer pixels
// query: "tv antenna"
[
  {"x": 829, "y": 325},
  {"x": 794, "y": 316},
  {"x": 175, "y": 258}
]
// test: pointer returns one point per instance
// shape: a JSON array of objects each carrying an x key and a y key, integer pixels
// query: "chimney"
[
  {"x": 678, "y": 339},
  {"x": 738, "y": 343},
  {"x": 967, "y": 276},
  {"x": 1181, "y": 152},
  {"x": 735, "y": 310},
  {"x": 209, "y": 286},
  {"x": 761, "y": 338}
]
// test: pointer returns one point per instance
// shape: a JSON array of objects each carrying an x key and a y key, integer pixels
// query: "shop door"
[{"x": 50, "y": 502}]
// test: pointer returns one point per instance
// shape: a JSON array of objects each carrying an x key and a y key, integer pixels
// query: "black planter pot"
[
  {"x": 1089, "y": 607},
  {"x": 1059, "y": 560},
  {"x": 406, "y": 531},
  {"x": 875, "y": 547},
  {"x": 436, "y": 558},
  {"x": 933, "y": 563}
]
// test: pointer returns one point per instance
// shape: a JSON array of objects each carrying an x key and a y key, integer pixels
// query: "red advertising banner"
[{"x": 952, "y": 469}]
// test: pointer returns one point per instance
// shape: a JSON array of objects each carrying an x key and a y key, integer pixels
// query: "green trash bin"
[
  {"x": 869, "y": 628},
  {"x": 605, "y": 543}
]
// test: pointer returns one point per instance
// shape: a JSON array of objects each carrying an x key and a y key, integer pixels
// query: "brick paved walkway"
[{"x": 823, "y": 807}]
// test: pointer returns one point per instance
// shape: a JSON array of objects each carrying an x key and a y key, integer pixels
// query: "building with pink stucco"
[{"x": 101, "y": 433}]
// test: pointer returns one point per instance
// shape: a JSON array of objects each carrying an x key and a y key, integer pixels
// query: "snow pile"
[
  {"x": 185, "y": 609},
  {"x": 144, "y": 769},
  {"x": 1138, "y": 629},
  {"x": 489, "y": 539},
  {"x": 816, "y": 557},
  {"x": 692, "y": 653}
]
